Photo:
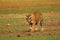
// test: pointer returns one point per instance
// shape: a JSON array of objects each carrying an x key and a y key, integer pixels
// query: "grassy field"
[
  {"x": 31, "y": 38},
  {"x": 13, "y": 25}
]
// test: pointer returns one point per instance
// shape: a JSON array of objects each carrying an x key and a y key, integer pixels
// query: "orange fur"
[{"x": 35, "y": 18}]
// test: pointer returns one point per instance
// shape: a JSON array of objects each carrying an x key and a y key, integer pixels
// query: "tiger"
[{"x": 33, "y": 19}]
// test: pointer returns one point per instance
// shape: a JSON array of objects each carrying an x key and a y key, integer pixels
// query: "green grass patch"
[
  {"x": 11, "y": 20},
  {"x": 31, "y": 38},
  {"x": 16, "y": 24}
]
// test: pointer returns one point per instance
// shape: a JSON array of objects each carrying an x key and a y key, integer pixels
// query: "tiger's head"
[{"x": 29, "y": 20}]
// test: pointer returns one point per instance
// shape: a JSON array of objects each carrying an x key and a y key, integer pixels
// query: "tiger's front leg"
[{"x": 32, "y": 27}]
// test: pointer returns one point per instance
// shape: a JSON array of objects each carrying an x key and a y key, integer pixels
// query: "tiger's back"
[{"x": 36, "y": 16}]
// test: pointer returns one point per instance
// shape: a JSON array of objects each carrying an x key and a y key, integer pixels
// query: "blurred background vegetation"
[{"x": 24, "y": 6}]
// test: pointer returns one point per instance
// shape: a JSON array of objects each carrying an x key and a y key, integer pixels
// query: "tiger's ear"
[{"x": 26, "y": 16}]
